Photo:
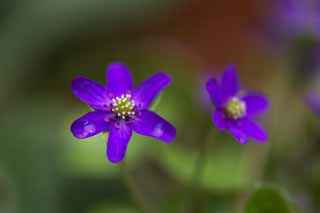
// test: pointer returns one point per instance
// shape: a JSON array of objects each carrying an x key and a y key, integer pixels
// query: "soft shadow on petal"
[
  {"x": 90, "y": 124},
  {"x": 255, "y": 104},
  {"x": 118, "y": 140},
  {"x": 150, "y": 88},
  {"x": 219, "y": 120},
  {"x": 119, "y": 80},
  {"x": 214, "y": 92},
  {"x": 253, "y": 130},
  {"x": 90, "y": 92},
  {"x": 151, "y": 124},
  {"x": 229, "y": 82}
]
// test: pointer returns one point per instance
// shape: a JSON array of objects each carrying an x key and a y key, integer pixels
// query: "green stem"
[
  {"x": 255, "y": 158},
  {"x": 200, "y": 164},
  {"x": 137, "y": 195},
  {"x": 196, "y": 176}
]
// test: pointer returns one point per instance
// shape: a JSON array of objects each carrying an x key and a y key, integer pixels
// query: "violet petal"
[
  {"x": 150, "y": 88},
  {"x": 119, "y": 80},
  {"x": 90, "y": 92},
  {"x": 313, "y": 100},
  {"x": 90, "y": 124},
  {"x": 238, "y": 134},
  {"x": 214, "y": 92},
  {"x": 219, "y": 120},
  {"x": 151, "y": 124},
  {"x": 255, "y": 104},
  {"x": 118, "y": 140},
  {"x": 253, "y": 130},
  {"x": 229, "y": 82}
]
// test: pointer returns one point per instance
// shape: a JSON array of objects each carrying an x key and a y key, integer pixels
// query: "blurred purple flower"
[
  {"x": 121, "y": 109},
  {"x": 235, "y": 113},
  {"x": 295, "y": 17},
  {"x": 313, "y": 101}
]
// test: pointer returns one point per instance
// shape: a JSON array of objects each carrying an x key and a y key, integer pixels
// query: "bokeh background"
[{"x": 45, "y": 43}]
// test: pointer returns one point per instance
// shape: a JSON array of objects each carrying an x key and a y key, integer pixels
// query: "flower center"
[
  {"x": 123, "y": 106},
  {"x": 235, "y": 108}
]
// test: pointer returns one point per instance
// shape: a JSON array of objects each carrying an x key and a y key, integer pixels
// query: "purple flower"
[
  {"x": 233, "y": 112},
  {"x": 294, "y": 17},
  {"x": 313, "y": 101},
  {"x": 120, "y": 109}
]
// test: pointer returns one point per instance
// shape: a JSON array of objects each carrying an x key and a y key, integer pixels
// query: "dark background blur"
[{"x": 45, "y": 43}]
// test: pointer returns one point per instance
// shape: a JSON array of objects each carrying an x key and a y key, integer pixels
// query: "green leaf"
[{"x": 267, "y": 200}]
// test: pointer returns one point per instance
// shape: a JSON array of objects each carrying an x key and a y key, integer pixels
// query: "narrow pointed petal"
[
  {"x": 255, "y": 104},
  {"x": 151, "y": 124},
  {"x": 239, "y": 135},
  {"x": 119, "y": 80},
  {"x": 219, "y": 120},
  {"x": 253, "y": 130},
  {"x": 229, "y": 82},
  {"x": 150, "y": 88},
  {"x": 90, "y": 124},
  {"x": 214, "y": 92},
  {"x": 90, "y": 92},
  {"x": 118, "y": 140}
]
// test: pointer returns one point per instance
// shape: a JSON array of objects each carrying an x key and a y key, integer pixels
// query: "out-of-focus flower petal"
[
  {"x": 119, "y": 79},
  {"x": 313, "y": 100},
  {"x": 229, "y": 82},
  {"x": 253, "y": 130},
  {"x": 255, "y": 104},
  {"x": 150, "y": 88},
  {"x": 295, "y": 17},
  {"x": 232, "y": 112},
  {"x": 238, "y": 134},
  {"x": 90, "y": 124},
  {"x": 214, "y": 92},
  {"x": 90, "y": 92},
  {"x": 219, "y": 120},
  {"x": 150, "y": 124},
  {"x": 118, "y": 140}
]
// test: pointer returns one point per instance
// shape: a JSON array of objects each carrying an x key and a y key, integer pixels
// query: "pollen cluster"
[
  {"x": 235, "y": 108},
  {"x": 123, "y": 106}
]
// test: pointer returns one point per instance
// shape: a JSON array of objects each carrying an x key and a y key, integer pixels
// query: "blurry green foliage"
[
  {"x": 109, "y": 207},
  {"x": 220, "y": 172},
  {"x": 267, "y": 200},
  {"x": 30, "y": 154}
]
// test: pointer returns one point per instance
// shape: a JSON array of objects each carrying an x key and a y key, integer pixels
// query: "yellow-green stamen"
[
  {"x": 123, "y": 106},
  {"x": 235, "y": 108}
]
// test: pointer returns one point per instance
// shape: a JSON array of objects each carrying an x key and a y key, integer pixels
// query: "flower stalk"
[
  {"x": 196, "y": 175},
  {"x": 136, "y": 194}
]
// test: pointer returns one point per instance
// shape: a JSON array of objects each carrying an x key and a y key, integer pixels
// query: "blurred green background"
[{"x": 43, "y": 168}]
